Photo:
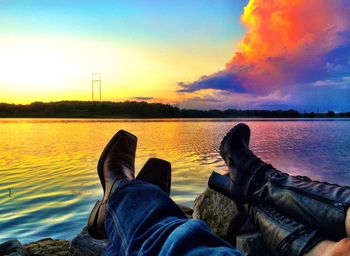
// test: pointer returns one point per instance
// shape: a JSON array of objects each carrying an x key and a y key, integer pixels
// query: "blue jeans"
[{"x": 143, "y": 220}]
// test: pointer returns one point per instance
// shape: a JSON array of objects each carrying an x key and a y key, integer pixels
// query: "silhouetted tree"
[{"x": 330, "y": 113}]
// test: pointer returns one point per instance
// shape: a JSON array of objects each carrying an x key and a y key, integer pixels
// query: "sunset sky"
[{"x": 260, "y": 54}]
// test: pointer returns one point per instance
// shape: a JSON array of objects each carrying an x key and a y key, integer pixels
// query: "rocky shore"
[{"x": 221, "y": 214}]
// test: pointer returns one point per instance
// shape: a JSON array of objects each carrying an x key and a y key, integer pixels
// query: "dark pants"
[{"x": 143, "y": 220}]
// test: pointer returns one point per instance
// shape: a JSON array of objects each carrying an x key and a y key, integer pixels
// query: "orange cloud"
[
  {"x": 295, "y": 33},
  {"x": 289, "y": 47}
]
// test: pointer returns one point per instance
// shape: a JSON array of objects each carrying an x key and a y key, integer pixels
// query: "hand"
[
  {"x": 341, "y": 248},
  {"x": 330, "y": 248}
]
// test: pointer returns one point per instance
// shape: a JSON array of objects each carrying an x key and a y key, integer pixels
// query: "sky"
[{"x": 248, "y": 54}]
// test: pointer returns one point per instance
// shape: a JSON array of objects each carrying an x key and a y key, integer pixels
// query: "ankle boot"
[
  {"x": 158, "y": 172},
  {"x": 319, "y": 204},
  {"x": 243, "y": 165},
  {"x": 115, "y": 166},
  {"x": 283, "y": 236}
]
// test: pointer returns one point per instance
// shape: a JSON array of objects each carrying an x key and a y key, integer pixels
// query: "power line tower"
[{"x": 96, "y": 80}]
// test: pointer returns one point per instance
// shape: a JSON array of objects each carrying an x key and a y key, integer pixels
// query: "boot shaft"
[
  {"x": 320, "y": 204},
  {"x": 283, "y": 235}
]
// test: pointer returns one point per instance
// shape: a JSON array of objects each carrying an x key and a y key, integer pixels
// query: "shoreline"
[{"x": 142, "y": 109}]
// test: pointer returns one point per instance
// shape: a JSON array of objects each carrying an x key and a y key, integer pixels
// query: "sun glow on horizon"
[
  {"x": 50, "y": 69},
  {"x": 49, "y": 49},
  {"x": 61, "y": 67}
]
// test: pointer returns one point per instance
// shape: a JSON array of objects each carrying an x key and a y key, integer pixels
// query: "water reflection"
[{"x": 50, "y": 164}]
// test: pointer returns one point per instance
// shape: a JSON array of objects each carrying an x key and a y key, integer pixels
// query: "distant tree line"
[
  {"x": 81, "y": 109},
  {"x": 238, "y": 113},
  {"x": 133, "y": 109}
]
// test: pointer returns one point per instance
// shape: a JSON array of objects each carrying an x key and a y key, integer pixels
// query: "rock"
[
  {"x": 84, "y": 245},
  {"x": 216, "y": 210},
  {"x": 15, "y": 254},
  {"x": 12, "y": 247},
  {"x": 252, "y": 244},
  {"x": 48, "y": 246},
  {"x": 229, "y": 222}
]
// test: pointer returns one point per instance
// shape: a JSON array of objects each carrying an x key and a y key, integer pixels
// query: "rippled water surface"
[{"x": 48, "y": 179}]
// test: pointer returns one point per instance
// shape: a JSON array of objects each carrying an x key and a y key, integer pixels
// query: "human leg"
[
  {"x": 320, "y": 204},
  {"x": 139, "y": 217},
  {"x": 143, "y": 219},
  {"x": 286, "y": 237}
]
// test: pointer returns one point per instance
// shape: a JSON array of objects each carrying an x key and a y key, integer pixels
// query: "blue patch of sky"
[{"x": 157, "y": 21}]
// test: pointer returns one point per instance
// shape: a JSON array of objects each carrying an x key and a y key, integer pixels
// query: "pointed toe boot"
[{"x": 116, "y": 164}]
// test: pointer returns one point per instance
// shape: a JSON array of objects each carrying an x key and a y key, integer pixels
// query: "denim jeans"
[{"x": 142, "y": 220}]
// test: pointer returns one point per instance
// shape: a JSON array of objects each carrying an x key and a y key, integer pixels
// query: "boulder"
[
  {"x": 84, "y": 245},
  {"x": 48, "y": 246},
  {"x": 252, "y": 244},
  {"x": 217, "y": 210},
  {"x": 13, "y": 247},
  {"x": 229, "y": 222}
]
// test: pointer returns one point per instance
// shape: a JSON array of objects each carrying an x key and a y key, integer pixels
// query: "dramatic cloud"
[
  {"x": 223, "y": 99},
  {"x": 291, "y": 48},
  {"x": 222, "y": 80}
]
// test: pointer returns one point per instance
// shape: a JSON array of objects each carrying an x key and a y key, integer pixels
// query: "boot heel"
[
  {"x": 220, "y": 183},
  {"x": 91, "y": 226}
]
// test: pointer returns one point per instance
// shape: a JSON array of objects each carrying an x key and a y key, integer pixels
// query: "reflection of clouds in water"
[
  {"x": 51, "y": 165},
  {"x": 315, "y": 149}
]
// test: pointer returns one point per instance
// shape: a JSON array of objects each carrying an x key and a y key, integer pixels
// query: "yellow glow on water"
[
  {"x": 50, "y": 164},
  {"x": 57, "y": 219}
]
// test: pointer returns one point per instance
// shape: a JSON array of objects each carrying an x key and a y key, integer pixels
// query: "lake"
[{"x": 48, "y": 179}]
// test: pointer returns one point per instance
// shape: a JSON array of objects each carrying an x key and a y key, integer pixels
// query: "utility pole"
[{"x": 96, "y": 79}]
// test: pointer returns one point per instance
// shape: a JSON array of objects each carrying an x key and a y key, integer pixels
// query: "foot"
[
  {"x": 242, "y": 164},
  {"x": 235, "y": 145},
  {"x": 116, "y": 164},
  {"x": 157, "y": 172}
]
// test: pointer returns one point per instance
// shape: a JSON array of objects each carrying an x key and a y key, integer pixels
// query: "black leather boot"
[
  {"x": 157, "y": 172},
  {"x": 243, "y": 165},
  {"x": 320, "y": 204},
  {"x": 284, "y": 236},
  {"x": 115, "y": 165}
]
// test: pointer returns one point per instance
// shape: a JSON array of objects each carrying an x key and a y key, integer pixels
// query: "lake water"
[{"x": 48, "y": 179}]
